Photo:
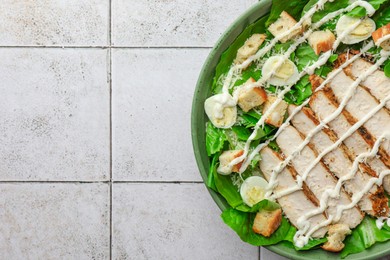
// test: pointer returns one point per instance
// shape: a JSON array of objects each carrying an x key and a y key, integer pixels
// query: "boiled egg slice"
[
  {"x": 221, "y": 110},
  {"x": 285, "y": 74},
  {"x": 362, "y": 32},
  {"x": 253, "y": 190}
]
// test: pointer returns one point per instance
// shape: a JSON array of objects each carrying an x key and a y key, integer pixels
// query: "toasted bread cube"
[
  {"x": 284, "y": 23},
  {"x": 252, "y": 97},
  {"x": 336, "y": 236},
  {"x": 277, "y": 115},
  {"x": 224, "y": 160},
  {"x": 266, "y": 222},
  {"x": 250, "y": 47},
  {"x": 379, "y": 34},
  {"x": 321, "y": 41}
]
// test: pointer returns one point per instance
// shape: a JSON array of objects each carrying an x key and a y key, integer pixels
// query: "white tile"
[
  {"x": 54, "y": 114},
  {"x": 54, "y": 22},
  {"x": 266, "y": 254},
  {"x": 152, "y": 95},
  {"x": 54, "y": 221},
  {"x": 173, "y": 22},
  {"x": 172, "y": 221}
]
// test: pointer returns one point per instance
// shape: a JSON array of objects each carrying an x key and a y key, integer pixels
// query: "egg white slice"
[
  {"x": 362, "y": 32},
  {"x": 253, "y": 190},
  {"x": 221, "y": 110},
  {"x": 286, "y": 74}
]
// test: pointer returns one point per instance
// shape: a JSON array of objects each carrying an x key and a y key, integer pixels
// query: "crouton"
[
  {"x": 250, "y": 47},
  {"x": 277, "y": 115},
  {"x": 379, "y": 35},
  {"x": 224, "y": 160},
  {"x": 336, "y": 236},
  {"x": 249, "y": 98},
  {"x": 267, "y": 222},
  {"x": 284, "y": 23},
  {"x": 321, "y": 41}
]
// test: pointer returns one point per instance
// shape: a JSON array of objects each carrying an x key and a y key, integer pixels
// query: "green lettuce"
[
  {"x": 242, "y": 222},
  {"x": 229, "y": 55},
  {"x": 329, "y": 7},
  {"x": 382, "y": 17},
  {"x": 293, "y": 7},
  {"x": 215, "y": 139},
  {"x": 361, "y": 11},
  {"x": 223, "y": 184},
  {"x": 364, "y": 236}
]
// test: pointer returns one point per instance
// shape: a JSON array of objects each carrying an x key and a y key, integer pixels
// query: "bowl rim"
[{"x": 231, "y": 33}]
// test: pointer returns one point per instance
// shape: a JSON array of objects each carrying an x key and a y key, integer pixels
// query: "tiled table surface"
[{"x": 96, "y": 159}]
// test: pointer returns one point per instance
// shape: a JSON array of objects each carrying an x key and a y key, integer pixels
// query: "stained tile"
[
  {"x": 171, "y": 221},
  {"x": 51, "y": 221},
  {"x": 54, "y": 22},
  {"x": 152, "y": 95},
  {"x": 173, "y": 22},
  {"x": 54, "y": 114}
]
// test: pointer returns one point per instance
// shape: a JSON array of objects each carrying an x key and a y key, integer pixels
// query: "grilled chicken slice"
[
  {"x": 319, "y": 178},
  {"x": 360, "y": 104},
  {"x": 377, "y": 83},
  {"x": 340, "y": 164},
  {"x": 356, "y": 144},
  {"x": 296, "y": 204}
]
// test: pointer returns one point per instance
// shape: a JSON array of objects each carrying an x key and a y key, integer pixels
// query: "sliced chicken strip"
[
  {"x": 377, "y": 83},
  {"x": 319, "y": 179},
  {"x": 340, "y": 164},
  {"x": 356, "y": 144},
  {"x": 295, "y": 204},
  {"x": 360, "y": 104}
]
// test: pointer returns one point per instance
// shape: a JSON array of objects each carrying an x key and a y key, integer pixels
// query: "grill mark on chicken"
[
  {"x": 363, "y": 132},
  {"x": 338, "y": 161},
  {"x": 297, "y": 203},
  {"x": 319, "y": 179}
]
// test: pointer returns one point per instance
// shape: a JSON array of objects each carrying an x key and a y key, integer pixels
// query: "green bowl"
[{"x": 199, "y": 119}]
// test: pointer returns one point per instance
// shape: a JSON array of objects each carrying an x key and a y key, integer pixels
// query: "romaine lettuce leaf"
[
  {"x": 364, "y": 236},
  {"x": 387, "y": 69},
  {"x": 224, "y": 185},
  {"x": 229, "y": 55},
  {"x": 293, "y": 7},
  {"x": 382, "y": 17},
  {"x": 242, "y": 222},
  {"x": 328, "y": 8},
  {"x": 312, "y": 242},
  {"x": 215, "y": 139},
  {"x": 361, "y": 11}
]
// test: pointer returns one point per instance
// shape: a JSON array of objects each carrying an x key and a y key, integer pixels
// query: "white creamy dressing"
[
  {"x": 382, "y": 40},
  {"x": 304, "y": 229},
  {"x": 380, "y": 222}
]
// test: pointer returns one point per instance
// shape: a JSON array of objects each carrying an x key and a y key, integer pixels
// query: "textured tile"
[
  {"x": 52, "y": 221},
  {"x": 54, "y": 22},
  {"x": 54, "y": 114},
  {"x": 152, "y": 95},
  {"x": 171, "y": 221},
  {"x": 173, "y": 22},
  {"x": 266, "y": 254}
]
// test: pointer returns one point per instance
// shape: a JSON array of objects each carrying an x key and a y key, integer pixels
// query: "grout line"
[
  {"x": 102, "y": 47},
  {"x": 110, "y": 102},
  {"x": 161, "y": 182},
  {"x": 34, "y": 181},
  {"x": 259, "y": 252},
  {"x": 108, "y": 181}
]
